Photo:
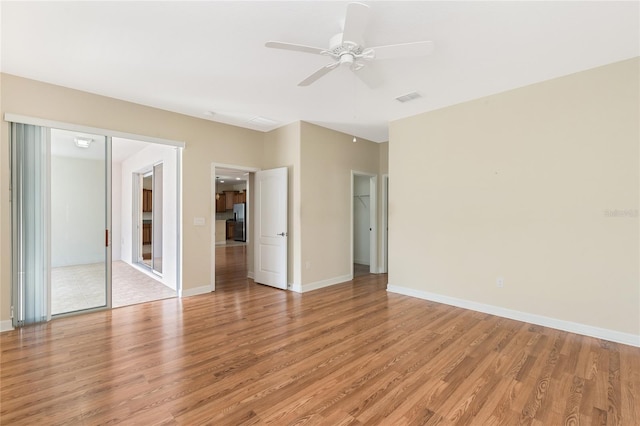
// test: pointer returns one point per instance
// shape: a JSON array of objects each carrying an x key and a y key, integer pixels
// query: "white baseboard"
[
  {"x": 6, "y": 325},
  {"x": 573, "y": 327},
  {"x": 321, "y": 284},
  {"x": 195, "y": 291},
  {"x": 250, "y": 275},
  {"x": 361, "y": 261}
]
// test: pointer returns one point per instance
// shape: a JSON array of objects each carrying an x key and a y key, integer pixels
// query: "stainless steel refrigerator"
[{"x": 240, "y": 230}]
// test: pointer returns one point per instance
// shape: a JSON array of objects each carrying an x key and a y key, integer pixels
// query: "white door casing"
[{"x": 271, "y": 198}]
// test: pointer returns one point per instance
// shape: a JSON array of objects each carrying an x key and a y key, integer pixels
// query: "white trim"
[
  {"x": 295, "y": 287},
  {"x": 179, "y": 230},
  {"x": 47, "y": 219},
  {"x": 384, "y": 263},
  {"x": 147, "y": 271},
  {"x": 6, "y": 325},
  {"x": 373, "y": 224},
  {"x": 213, "y": 209},
  {"x": 187, "y": 292},
  {"x": 23, "y": 119},
  {"x": 250, "y": 274},
  {"x": 321, "y": 284},
  {"x": 573, "y": 327},
  {"x": 109, "y": 225}
]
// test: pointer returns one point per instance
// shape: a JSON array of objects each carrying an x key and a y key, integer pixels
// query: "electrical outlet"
[
  {"x": 500, "y": 282},
  {"x": 307, "y": 264}
]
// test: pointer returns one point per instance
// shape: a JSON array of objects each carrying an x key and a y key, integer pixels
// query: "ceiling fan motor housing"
[
  {"x": 346, "y": 59},
  {"x": 344, "y": 51}
]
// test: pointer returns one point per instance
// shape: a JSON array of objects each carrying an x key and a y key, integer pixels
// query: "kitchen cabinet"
[
  {"x": 146, "y": 233},
  {"x": 147, "y": 200},
  {"x": 240, "y": 197},
  {"x": 229, "y": 199},
  {"x": 221, "y": 203},
  {"x": 231, "y": 226}
]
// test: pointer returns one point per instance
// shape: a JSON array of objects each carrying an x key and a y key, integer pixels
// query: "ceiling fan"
[{"x": 347, "y": 48}]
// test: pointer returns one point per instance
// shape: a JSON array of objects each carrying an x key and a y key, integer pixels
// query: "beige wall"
[
  {"x": 327, "y": 159},
  {"x": 383, "y": 149},
  {"x": 518, "y": 186},
  {"x": 206, "y": 142}
]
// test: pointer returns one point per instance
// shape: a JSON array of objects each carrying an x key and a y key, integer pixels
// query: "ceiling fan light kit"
[{"x": 347, "y": 48}]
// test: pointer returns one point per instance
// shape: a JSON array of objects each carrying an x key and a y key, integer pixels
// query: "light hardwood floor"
[{"x": 348, "y": 354}]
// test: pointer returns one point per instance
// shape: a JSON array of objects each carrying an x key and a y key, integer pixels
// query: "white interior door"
[{"x": 271, "y": 197}]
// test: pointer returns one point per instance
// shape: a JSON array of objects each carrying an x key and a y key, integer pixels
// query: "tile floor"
[{"x": 79, "y": 287}]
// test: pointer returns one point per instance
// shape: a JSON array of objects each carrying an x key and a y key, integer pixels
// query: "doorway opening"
[
  {"x": 231, "y": 219},
  {"x": 78, "y": 286},
  {"x": 363, "y": 223},
  {"x": 146, "y": 191}
]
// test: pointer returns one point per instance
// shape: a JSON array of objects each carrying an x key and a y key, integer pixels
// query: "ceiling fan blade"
[
  {"x": 369, "y": 76},
  {"x": 295, "y": 47},
  {"x": 316, "y": 75},
  {"x": 418, "y": 48},
  {"x": 355, "y": 23}
]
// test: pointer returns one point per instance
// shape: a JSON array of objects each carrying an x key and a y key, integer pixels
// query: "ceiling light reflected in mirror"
[{"x": 82, "y": 142}]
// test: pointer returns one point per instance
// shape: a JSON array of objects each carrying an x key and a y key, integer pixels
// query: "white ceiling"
[
  {"x": 195, "y": 57},
  {"x": 231, "y": 176}
]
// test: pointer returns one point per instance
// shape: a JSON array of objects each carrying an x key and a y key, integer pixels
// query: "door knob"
[{"x": 282, "y": 234}]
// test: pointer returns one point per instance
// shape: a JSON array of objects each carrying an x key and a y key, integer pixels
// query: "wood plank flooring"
[{"x": 351, "y": 354}]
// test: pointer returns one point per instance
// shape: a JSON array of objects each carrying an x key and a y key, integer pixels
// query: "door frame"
[
  {"x": 212, "y": 215},
  {"x": 373, "y": 220},
  {"x": 384, "y": 260}
]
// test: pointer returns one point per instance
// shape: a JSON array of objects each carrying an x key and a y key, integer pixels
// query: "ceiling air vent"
[
  {"x": 408, "y": 97},
  {"x": 263, "y": 121}
]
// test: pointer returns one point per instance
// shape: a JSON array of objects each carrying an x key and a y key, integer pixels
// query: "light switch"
[{"x": 198, "y": 221}]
